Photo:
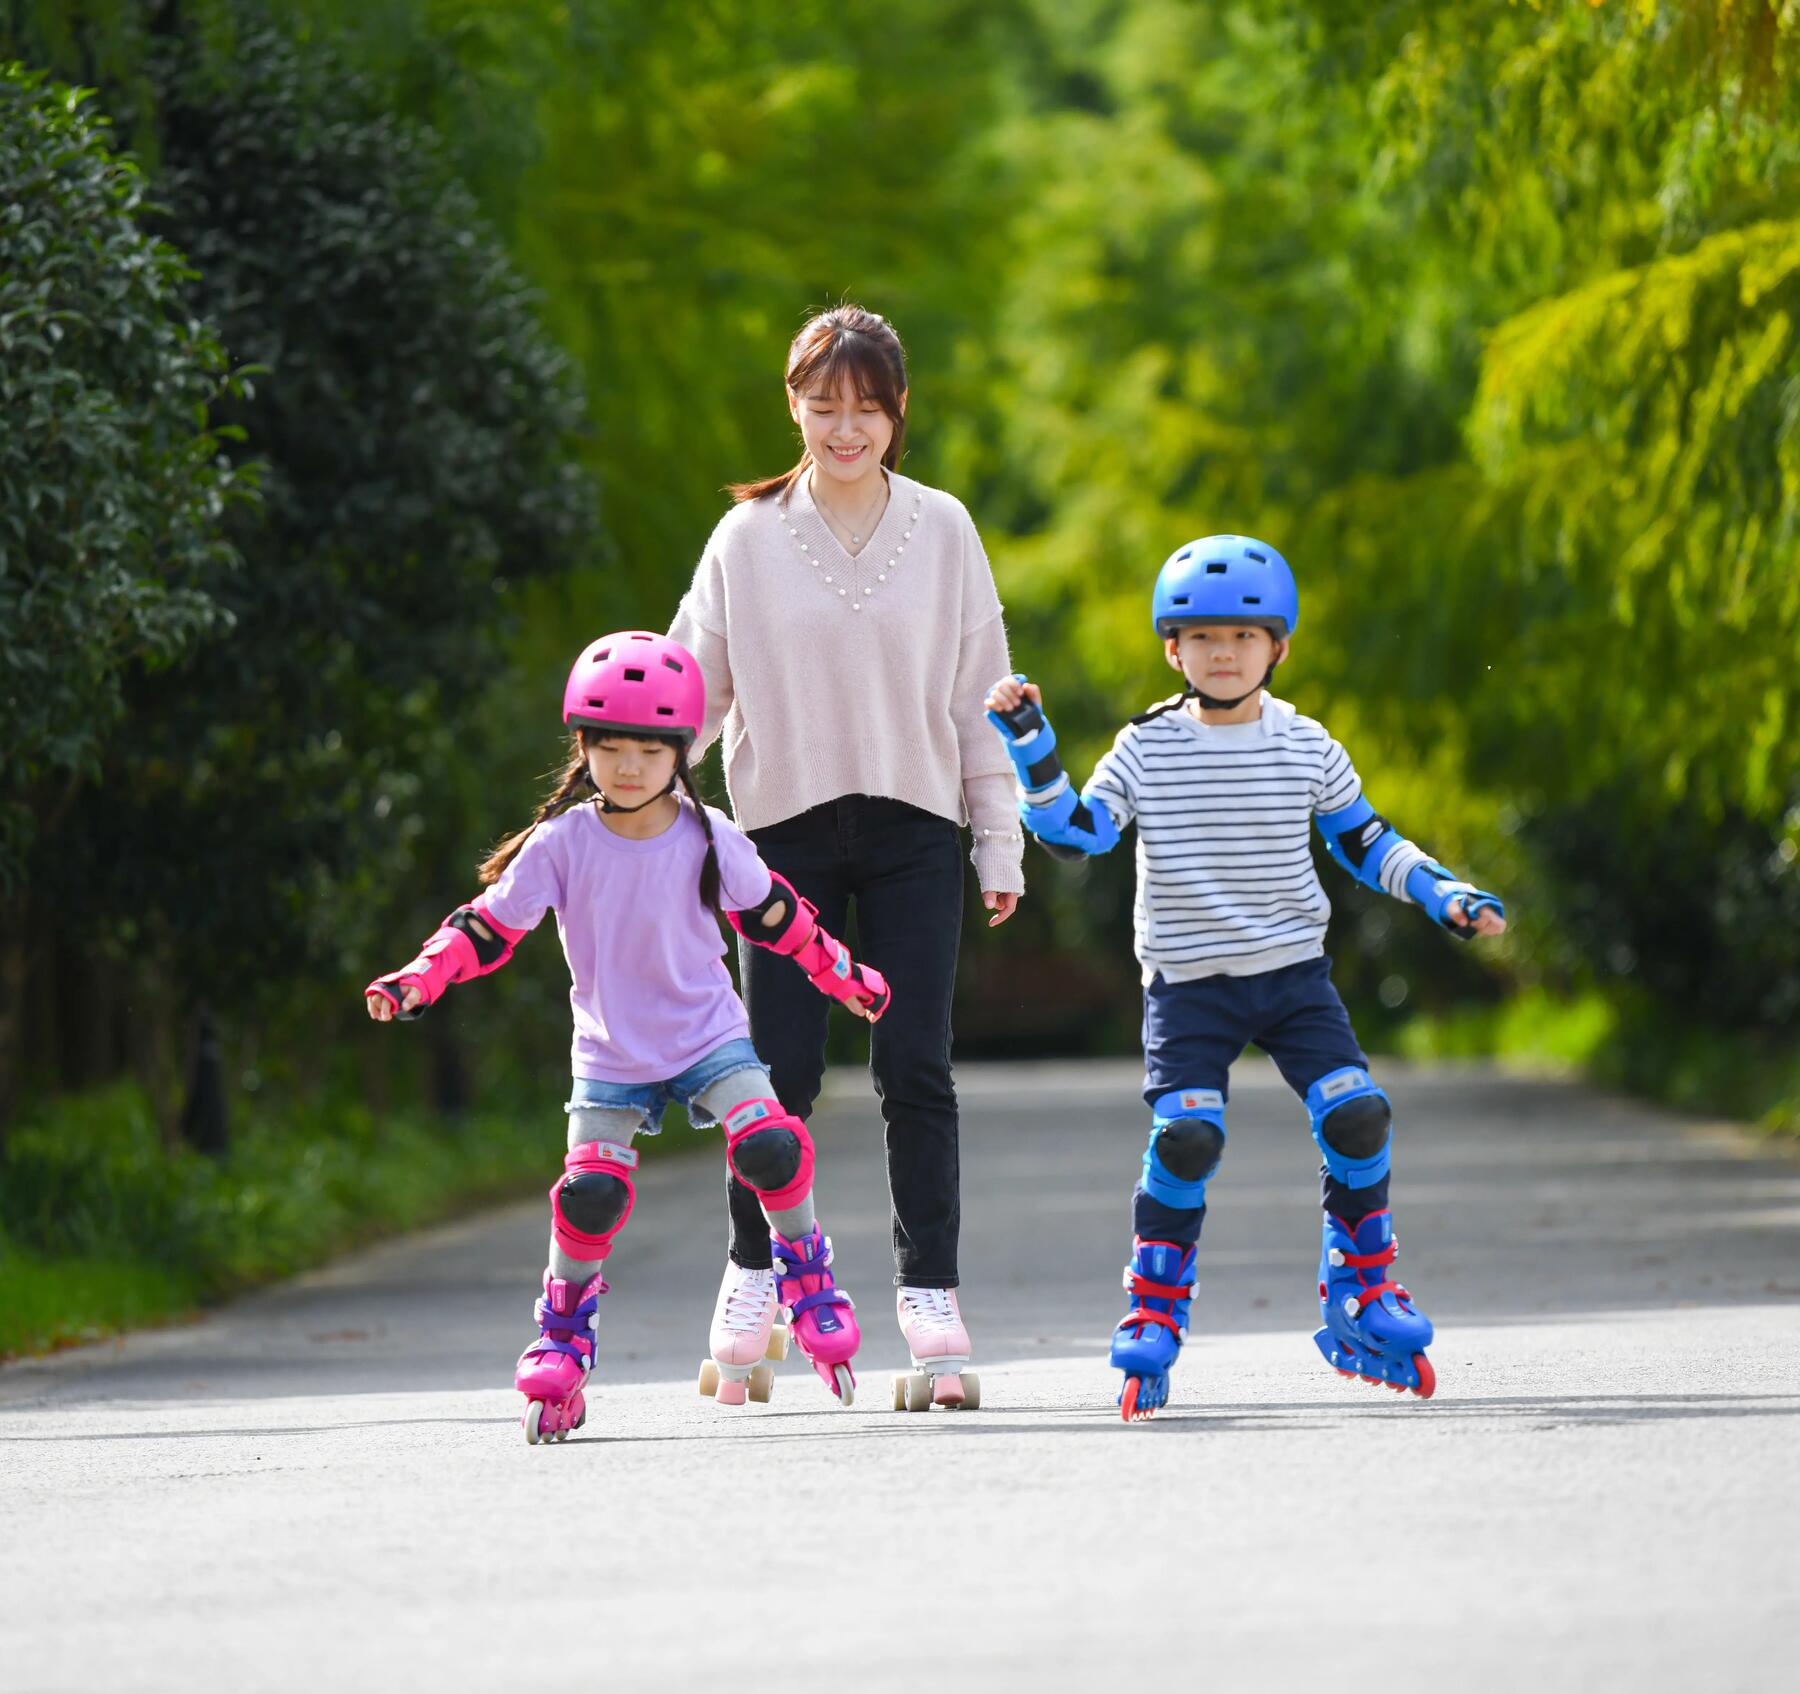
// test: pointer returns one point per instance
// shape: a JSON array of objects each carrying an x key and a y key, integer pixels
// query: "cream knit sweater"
[{"x": 833, "y": 675}]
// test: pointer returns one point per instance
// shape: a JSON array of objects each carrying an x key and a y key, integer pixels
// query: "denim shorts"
[{"x": 655, "y": 1098}]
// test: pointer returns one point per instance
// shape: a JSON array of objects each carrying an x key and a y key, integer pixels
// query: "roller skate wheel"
[
  {"x": 777, "y": 1348},
  {"x": 1128, "y": 1401},
  {"x": 912, "y": 1391},
  {"x": 1427, "y": 1377},
  {"x": 564, "y": 1433},
  {"x": 709, "y": 1377},
  {"x": 845, "y": 1384},
  {"x": 971, "y": 1400},
  {"x": 731, "y": 1393},
  {"x": 534, "y": 1417},
  {"x": 762, "y": 1384}
]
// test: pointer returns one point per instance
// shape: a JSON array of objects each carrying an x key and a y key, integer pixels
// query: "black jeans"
[{"x": 904, "y": 869}]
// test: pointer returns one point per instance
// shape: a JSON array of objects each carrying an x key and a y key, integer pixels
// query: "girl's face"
[
  {"x": 846, "y": 434},
  {"x": 630, "y": 771},
  {"x": 1224, "y": 659}
]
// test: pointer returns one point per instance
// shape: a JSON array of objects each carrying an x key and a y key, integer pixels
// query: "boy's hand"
[
  {"x": 1006, "y": 694},
  {"x": 1486, "y": 921}
]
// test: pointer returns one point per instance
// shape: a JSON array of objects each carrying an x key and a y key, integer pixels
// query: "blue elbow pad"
[
  {"x": 1359, "y": 838},
  {"x": 1070, "y": 821}
]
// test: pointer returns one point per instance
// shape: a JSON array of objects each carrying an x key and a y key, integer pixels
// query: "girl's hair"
[
  {"x": 844, "y": 344},
  {"x": 575, "y": 786}
]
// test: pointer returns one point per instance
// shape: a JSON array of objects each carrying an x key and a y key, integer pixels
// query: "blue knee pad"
[
  {"x": 1203, "y": 1108},
  {"x": 1332, "y": 1093}
]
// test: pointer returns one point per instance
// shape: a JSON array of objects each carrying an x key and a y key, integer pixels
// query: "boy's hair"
[{"x": 575, "y": 787}]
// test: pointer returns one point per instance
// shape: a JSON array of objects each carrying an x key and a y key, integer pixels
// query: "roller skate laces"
[
  {"x": 744, "y": 1336},
  {"x": 1147, "y": 1342},
  {"x": 931, "y": 1322},
  {"x": 1372, "y": 1329},
  {"x": 821, "y": 1316},
  {"x": 554, "y": 1369}
]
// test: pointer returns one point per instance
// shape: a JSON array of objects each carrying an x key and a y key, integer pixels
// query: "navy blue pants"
[{"x": 1194, "y": 1030}]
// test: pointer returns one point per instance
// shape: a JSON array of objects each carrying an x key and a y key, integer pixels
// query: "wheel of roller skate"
[
  {"x": 709, "y": 1377},
  {"x": 846, "y": 1384},
  {"x": 1427, "y": 1377},
  {"x": 762, "y": 1384},
  {"x": 534, "y": 1417},
  {"x": 971, "y": 1400},
  {"x": 777, "y": 1348},
  {"x": 1128, "y": 1400},
  {"x": 918, "y": 1391},
  {"x": 899, "y": 1391}
]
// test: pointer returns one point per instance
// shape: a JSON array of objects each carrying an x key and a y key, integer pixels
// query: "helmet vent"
[
  {"x": 673, "y": 664},
  {"x": 1217, "y": 567},
  {"x": 598, "y": 705},
  {"x": 634, "y": 676},
  {"x": 602, "y": 653},
  {"x": 1260, "y": 558},
  {"x": 665, "y": 711},
  {"x": 1252, "y": 599},
  {"x": 1181, "y": 599}
]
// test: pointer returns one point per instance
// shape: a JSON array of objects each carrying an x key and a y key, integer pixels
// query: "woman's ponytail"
[{"x": 572, "y": 786}]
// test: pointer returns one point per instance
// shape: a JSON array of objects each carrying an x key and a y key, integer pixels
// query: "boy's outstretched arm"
[
  {"x": 1377, "y": 854},
  {"x": 1069, "y": 826}
]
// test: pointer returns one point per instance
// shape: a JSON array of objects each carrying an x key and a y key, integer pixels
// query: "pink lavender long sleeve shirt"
[
  {"x": 648, "y": 985},
  {"x": 832, "y": 675}
]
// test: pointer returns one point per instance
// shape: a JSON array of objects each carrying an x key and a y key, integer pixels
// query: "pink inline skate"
[
  {"x": 932, "y": 1325},
  {"x": 822, "y": 1316},
  {"x": 555, "y": 1368},
  {"x": 744, "y": 1336}
]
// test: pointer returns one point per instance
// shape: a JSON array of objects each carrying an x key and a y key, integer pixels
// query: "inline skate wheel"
[
  {"x": 845, "y": 1383},
  {"x": 762, "y": 1384},
  {"x": 778, "y": 1343},
  {"x": 534, "y": 1417},
  {"x": 1427, "y": 1377},
  {"x": 709, "y": 1377},
  {"x": 1128, "y": 1401}
]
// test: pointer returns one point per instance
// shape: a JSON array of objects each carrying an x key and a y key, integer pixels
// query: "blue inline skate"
[
  {"x": 1372, "y": 1329},
  {"x": 1160, "y": 1281}
]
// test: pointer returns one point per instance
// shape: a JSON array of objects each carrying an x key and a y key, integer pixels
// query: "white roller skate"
[
  {"x": 744, "y": 1335},
  {"x": 939, "y": 1344}
]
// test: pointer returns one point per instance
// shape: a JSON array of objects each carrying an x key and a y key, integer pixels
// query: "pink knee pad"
[
  {"x": 591, "y": 1200},
  {"x": 779, "y": 1172}
]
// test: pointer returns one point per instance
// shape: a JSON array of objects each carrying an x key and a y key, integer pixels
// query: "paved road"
[{"x": 324, "y": 1487}]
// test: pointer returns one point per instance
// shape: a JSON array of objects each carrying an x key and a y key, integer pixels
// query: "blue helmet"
[{"x": 1226, "y": 578}]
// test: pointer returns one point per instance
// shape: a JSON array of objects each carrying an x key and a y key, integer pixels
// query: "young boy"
[{"x": 1223, "y": 782}]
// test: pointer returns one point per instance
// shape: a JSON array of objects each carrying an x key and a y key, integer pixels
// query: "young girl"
[
  {"x": 844, "y": 569},
  {"x": 638, "y": 875}
]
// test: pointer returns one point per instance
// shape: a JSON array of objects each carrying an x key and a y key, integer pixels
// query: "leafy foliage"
[{"x": 112, "y": 484}]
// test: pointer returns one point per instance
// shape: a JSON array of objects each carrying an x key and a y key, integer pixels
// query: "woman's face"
[{"x": 846, "y": 434}]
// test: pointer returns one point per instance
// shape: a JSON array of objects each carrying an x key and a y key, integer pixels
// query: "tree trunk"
[{"x": 205, "y": 1119}]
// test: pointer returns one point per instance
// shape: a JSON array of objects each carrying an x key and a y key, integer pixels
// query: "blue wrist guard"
[
  {"x": 1030, "y": 743},
  {"x": 1434, "y": 888}
]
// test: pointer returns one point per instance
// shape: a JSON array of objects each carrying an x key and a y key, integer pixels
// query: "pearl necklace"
[{"x": 829, "y": 578}]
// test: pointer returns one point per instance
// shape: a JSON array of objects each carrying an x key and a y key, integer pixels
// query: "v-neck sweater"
[{"x": 831, "y": 674}]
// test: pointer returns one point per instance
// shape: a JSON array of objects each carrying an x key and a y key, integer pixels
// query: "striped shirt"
[{"x": 1225, "y": 879}]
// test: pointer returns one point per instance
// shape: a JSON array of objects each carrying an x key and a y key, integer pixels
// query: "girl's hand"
[
  {"x": 1006, "y": 694},
  {"x": 381, "y": 1008},
  {"x": 1001, "y": 905},
  {"x": 1487, "y": 920}
]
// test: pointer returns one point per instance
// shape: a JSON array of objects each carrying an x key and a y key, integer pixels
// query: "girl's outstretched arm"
[{"x": 471, "y": 942}]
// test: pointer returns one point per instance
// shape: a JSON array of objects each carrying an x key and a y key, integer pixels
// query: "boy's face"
[{"x": 1224, "y": 659}]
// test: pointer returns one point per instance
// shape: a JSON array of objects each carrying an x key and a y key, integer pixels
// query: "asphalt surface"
[{"x": 325, "y": 1486}]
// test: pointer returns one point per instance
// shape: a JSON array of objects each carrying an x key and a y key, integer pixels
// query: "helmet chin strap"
[
  {"x": 1216, "y": 705},
  {"x": 607, "y": 804}
]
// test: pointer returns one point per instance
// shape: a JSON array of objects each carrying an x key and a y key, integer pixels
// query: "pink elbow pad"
[{"x": 800, "y": 937}]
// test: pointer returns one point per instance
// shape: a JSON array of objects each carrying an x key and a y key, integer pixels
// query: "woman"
[{"x": 847, "y": 624}]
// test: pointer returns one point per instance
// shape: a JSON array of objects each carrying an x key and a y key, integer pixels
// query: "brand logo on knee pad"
[
  {"x": 626, "y": 1156},
  {"x": 1202, "y": 1099},
  {"x": 752, "y": 1111},
  {"x": 1342, "y": 1083}
]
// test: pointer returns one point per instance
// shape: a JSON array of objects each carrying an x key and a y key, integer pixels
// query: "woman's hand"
[
  {"x": 1001, "y": 905},
  {"x": 1006, "y": 694}
]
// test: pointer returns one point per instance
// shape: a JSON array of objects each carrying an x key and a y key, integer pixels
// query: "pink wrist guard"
[
  {"x": 800, "y": 937},
  {"x": 457, "y": 951}
]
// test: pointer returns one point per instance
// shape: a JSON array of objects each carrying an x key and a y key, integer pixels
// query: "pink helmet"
[{"x": 637, "y": 683}]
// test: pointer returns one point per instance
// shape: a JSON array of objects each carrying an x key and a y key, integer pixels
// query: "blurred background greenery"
[{"x": 358, "y": 358}]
